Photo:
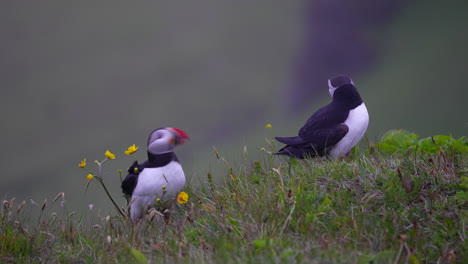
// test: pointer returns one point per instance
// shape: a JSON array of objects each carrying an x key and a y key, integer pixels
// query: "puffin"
[
  {"x": 334, "y": 129},
  {"x": 159, "y": 179}
]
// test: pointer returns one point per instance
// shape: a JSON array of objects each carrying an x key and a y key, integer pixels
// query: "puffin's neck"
[{"x": 159, "y": 160}]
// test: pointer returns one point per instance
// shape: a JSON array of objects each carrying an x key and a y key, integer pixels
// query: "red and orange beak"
[{"x": 181, "y": 136}]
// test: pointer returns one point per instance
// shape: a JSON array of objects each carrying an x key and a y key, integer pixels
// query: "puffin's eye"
[{"x": 171, "y": 140}]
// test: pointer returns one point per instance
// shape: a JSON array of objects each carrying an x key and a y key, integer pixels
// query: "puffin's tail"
[
  {"x": 283, "y": 151},
  {"x": 289, "y": 149},
  {"x": 296, "y": 147}
]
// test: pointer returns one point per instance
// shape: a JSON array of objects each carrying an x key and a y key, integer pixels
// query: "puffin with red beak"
[{"x": 159, "y": 179}]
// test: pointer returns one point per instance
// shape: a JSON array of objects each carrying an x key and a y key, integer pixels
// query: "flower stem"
[
  {"x": 110, "y": 197},
  {"x": 100, "y": 180}
]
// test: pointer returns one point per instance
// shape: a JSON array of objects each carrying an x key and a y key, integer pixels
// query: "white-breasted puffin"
[
  {"x": 335, "y": 128},
  {"x": 144, "y": 183}
]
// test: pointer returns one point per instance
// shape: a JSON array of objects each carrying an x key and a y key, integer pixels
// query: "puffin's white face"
[
  {"x": 335, "y": 82},
  {"x": 331, "y": 89},
  {"x": 164, "y": 140}
]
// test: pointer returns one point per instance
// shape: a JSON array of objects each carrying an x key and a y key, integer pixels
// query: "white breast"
[
  {"x": 150, "y": 187},
  {"x": 357, "y": 122}
]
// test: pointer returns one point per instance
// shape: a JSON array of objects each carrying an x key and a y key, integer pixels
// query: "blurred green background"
[{"x": 80, "y": 78}]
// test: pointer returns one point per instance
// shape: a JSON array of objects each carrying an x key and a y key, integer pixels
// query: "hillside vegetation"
[{"x": 403, "y": 200}]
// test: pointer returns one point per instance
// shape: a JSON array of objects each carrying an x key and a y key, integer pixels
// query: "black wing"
[
  {"x": 321, "y": 141},
  {"x": 321, "y": 131},
  {"x": 130, "y": 182},
  {"x": 325, "y": 127}
]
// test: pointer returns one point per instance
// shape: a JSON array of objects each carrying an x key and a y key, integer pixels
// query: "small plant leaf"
[
  {"x": 139, "y": 257},
  {"x": 464, "y": 183},
  {"x": 397, "y": 141},
  {"x": 260, "y": 243}
]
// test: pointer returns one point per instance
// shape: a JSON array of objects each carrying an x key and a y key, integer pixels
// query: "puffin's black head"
[
  {"x": 337, "y": 81},
  {"x": 163, "y": 140}
]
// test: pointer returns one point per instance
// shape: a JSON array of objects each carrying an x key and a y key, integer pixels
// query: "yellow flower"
[
  {"x": 132, "y": 149},
  {"x": 262, "y": 149},
  {"x": 109, "y": 155},
  {"x": 82, "y": 163},
  {"x": 268, "y": 126},
  {"x": 89, "y": 177},
  {"x": 182, "y": 198}
]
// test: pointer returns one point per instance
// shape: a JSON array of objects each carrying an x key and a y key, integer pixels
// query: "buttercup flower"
[
  {"x": 132, "y": 149},
  {"x": 182, "y": 198},
  {"x": 82, "y": 163},
  {"x": 268, "y": 125},
  {"x": 89, "y": 177},
  {"x": 109, "y": 155}
]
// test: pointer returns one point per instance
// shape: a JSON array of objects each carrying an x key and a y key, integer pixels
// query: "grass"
[{"x": 369, "y": 207}]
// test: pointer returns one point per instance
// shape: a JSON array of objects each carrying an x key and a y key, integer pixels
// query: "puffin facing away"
[
  {"x": 335, "y": 128},
  {"x": 145, "y": 181}
]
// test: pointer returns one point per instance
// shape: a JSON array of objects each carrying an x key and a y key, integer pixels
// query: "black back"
[{"x": 347, "y": 96}]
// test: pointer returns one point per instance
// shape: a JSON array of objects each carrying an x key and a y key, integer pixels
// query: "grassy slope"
[
  {"x": 82, "y": 106},
  {"x": 356, "y": 210}
]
